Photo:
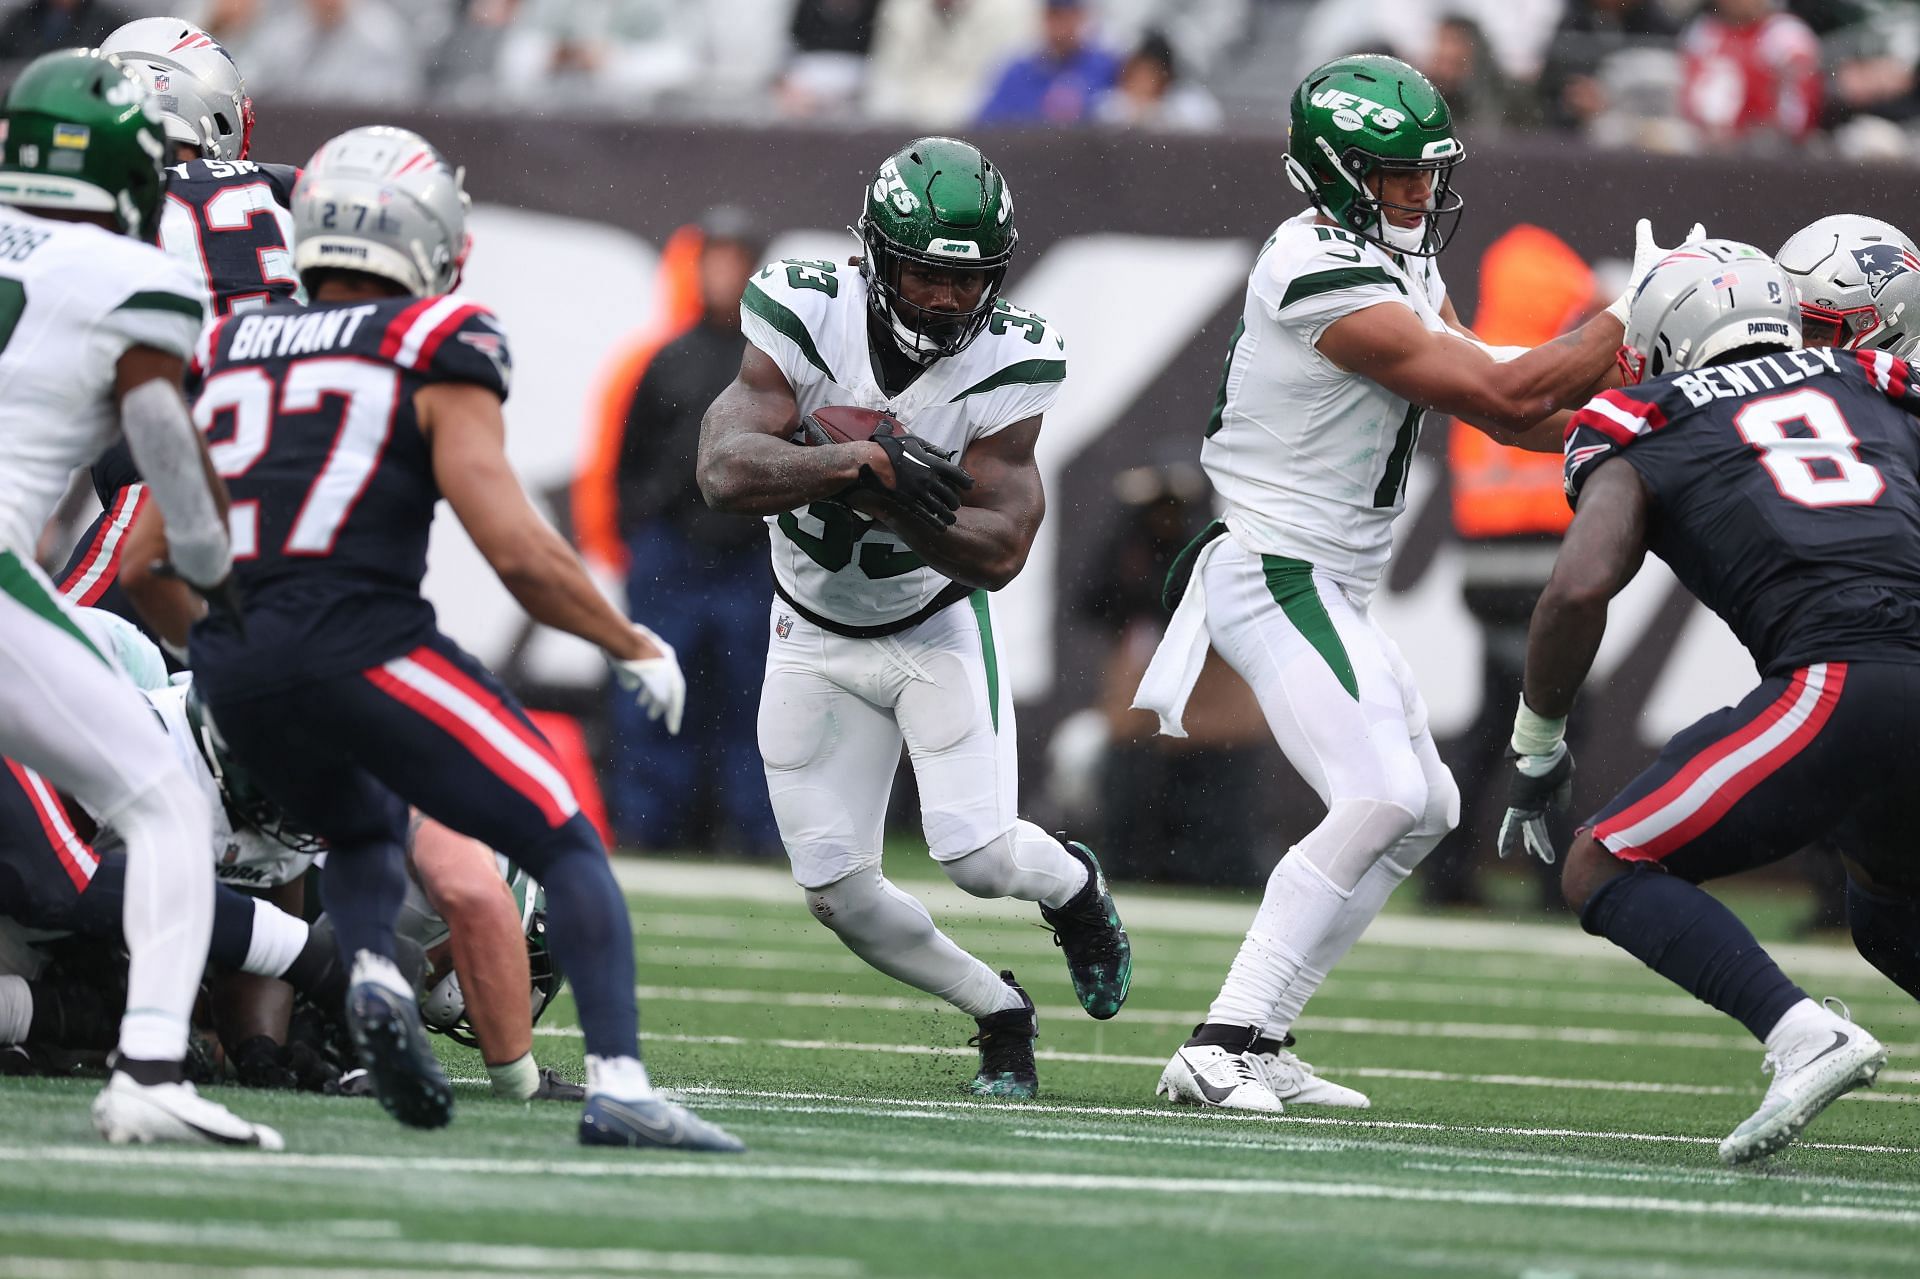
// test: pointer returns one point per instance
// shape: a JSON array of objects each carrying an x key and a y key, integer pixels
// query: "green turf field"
[{"x": 1542, "y": 1108}]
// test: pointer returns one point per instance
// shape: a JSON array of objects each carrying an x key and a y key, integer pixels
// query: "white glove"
[
  {"x": 1645, "y": 254},
  {"x": 655, "y": 682}
]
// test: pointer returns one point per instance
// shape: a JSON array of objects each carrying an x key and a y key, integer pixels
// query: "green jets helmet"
[
  {"x": 444, "y": 1007},
  {"x": 79, "y": 132},
  {"x": 939, "y": 202},
  {"x": 1358, "y": 116}
]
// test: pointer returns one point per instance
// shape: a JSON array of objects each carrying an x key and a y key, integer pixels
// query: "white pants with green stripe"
[
  {"x": 1334, "y": 688},
  {"x": 69, "y": 713},
  {"x": 835, "y": 712}
]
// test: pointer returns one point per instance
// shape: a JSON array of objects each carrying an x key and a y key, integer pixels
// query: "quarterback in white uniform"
[
  {"x": 1347, "y": 337},
  {"x": 885, "y": 553},
  {"x": 95, "y": 327}
]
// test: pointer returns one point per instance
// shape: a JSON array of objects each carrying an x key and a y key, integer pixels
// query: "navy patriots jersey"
[
  {"x": 309, "y": 416},
  {"x": 231, "y": 217},
  {"x": 1785, "y": 496}
]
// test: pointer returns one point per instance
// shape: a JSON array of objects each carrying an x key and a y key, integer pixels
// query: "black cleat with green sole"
[
  {"x": 1099, "y": 955},
  {"x": 1005, "y": 1041}
]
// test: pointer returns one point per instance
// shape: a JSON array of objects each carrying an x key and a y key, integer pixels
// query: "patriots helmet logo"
[{"x": 1881, "y": 262}]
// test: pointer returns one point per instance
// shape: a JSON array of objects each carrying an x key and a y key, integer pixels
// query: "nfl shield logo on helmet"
[{"x": 162, "y": 82}]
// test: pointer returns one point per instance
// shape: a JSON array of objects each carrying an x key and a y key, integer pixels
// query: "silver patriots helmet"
[
  {"x": 1859, "y": 282},
  {"x": 195, "y": 85},
  {"x": 382, "y": 201},
  {"x": 1704, "y": 300}
]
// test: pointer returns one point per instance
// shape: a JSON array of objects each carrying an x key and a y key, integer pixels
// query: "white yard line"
[
  {"x": 323, "y": 1239},
  {"x": 1504, "y": 1031},
  {"x": 954, "y": 1179},
  {"x": 649, "y": 878}
]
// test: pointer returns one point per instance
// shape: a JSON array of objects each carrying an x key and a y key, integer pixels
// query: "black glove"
[
  {"x": 1531, "y": 795},
  {"x": 927, "y": 483}
]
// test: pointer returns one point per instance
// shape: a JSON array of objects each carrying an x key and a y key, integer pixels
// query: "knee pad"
[
  {"x": 987, "y": 871},
  {"x": 1354, "y": 835},
  {"x": 852, "y": 906}
]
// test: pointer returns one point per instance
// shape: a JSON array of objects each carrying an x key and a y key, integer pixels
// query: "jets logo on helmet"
[
  {"x": 938, "y": 202},
  {"x": 81, "y": 134},
  {"x": 1357, "y": 119}
]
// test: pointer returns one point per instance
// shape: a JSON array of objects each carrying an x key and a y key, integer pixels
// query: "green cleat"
[
  {"x": 1099, "y": 956},
  {"x": 1005, "y": 1042}
]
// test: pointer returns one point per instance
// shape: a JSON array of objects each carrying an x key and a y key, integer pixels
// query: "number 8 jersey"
[
  {"x": 810, "y": 318},
  {"x": 1784, "y": 493},
  {"x": 309, "y": 417}
]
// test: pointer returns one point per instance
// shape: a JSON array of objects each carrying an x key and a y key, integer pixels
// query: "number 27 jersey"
[
  {"x": 1785, "y": 495},
  {"x": 810, "y": 318},
  {"x": 309, "y": 416}
]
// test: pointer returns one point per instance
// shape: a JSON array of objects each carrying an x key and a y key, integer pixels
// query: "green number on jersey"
[
  {"x": 1004, "y": 316},
  {"x": 1394, "y": 482},
  {"x": 840, "y": 533},
  {"x": 814, "y": 275},
  {"x": 13, "y": 300}
]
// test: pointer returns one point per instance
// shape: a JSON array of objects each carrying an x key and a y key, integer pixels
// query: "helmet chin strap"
[{"x": 1407, "y": 238}]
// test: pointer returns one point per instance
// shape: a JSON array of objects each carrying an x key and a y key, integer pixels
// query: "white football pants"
[
  {"x": 70, "y": 714},
  {"x": 1342, "y": 704}
]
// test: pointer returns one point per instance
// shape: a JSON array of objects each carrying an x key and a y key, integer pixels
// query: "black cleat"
[
  {"x": 555, "y": 1087},
  {"x": 392, "y": 1043},
  {"x": 653, "y": 1123},
  {"x": 1005, "y": 1042},
  {"x": 1099, "y": 955}
]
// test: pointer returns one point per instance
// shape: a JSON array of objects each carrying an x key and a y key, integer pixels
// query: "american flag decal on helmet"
[{"x": 1725, "y": 280}]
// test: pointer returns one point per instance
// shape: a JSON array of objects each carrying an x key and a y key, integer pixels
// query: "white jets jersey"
[
  {"x": 1311, "y": 460},
  {"x": 242, "y": 858},
  {"x": 811, "y": 319},
  {"x": 73, "y": 298}
]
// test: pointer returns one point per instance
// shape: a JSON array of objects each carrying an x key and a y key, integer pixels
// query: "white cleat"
[
  {"x": 126, "y": 1111},
  {"x": 1830, "y": 1059},
  {"x": 1293, "y": 1080},
  {"x": 1209, "y": 1075}
]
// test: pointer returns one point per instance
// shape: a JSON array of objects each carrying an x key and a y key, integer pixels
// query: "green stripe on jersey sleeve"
[
  {"x": 1025, "y": 373},
  {"x": 758, "y": 301},
  {"x": 1351, "y": 277},
  {"x": 153, "y": 300}
]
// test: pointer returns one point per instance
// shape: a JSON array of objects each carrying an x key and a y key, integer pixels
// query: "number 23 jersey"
[
  {"x": 309, "y": 417},
  {"x": 1784, "y": 494},
  {"x": 810, "y": 318}
]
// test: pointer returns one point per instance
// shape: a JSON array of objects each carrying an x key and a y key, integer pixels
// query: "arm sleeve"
[{"x": 166, "y": 448}]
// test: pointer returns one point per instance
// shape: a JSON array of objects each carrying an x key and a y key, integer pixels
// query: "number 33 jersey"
[
  {"x": 810, "y": 318},
  {"x": 1784, "y": 494},
  {"x": 309, "y": 416}
]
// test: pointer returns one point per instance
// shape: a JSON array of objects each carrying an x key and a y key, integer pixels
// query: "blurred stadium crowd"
[{"x": 1667, "y": 75}]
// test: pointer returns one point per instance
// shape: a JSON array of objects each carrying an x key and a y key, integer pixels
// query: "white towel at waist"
[{"x": 1176, "y": 664}]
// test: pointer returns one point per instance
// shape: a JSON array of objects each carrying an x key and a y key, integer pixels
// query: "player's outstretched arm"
[
  {"x": 987, "y": 544},
  {"x": 467, "y": 437},
  {"x": 1602, "y": 551},
  {"x": 1447, "y": 373},
  {"x": 747, "y": 464}
]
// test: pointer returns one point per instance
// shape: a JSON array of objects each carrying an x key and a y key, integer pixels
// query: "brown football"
[{"x": 839, "y": 424}]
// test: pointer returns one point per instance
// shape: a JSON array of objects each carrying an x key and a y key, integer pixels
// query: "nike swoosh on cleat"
[
  {"x": 665, "y": 1133},
  {"x": 1217, "y": 1096},
  {"x": 1840, "y": 1040},
  {"x": 220, "y": 1138}
]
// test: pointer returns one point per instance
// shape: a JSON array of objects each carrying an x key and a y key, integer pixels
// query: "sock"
[
  {"x": 591, "y": 935},
  {"x": 317, "y": 972},
  {"x": 1798, "y": 1020},
  {"x": 166, "y": 916},
  {"x": 1296, "y": 915},
  {"x": 363, "y": 888},
  {"x": 518, "y": 1079},
  {"x": 150, "y": 1072},
  {"x": 1355, "y": 914},
  {"x": 1025, "y": 863},
  {"x": 1237, "y": 1039},
  {"x": 16, "y": 1009},
  {"x": 1886, "y": 932},
  {"x": 1695, "y": 942},
  {"x": 277, "y": 940},
  {"x": 622, "y": 1077},
  {"x": 893, "y": 932}
]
